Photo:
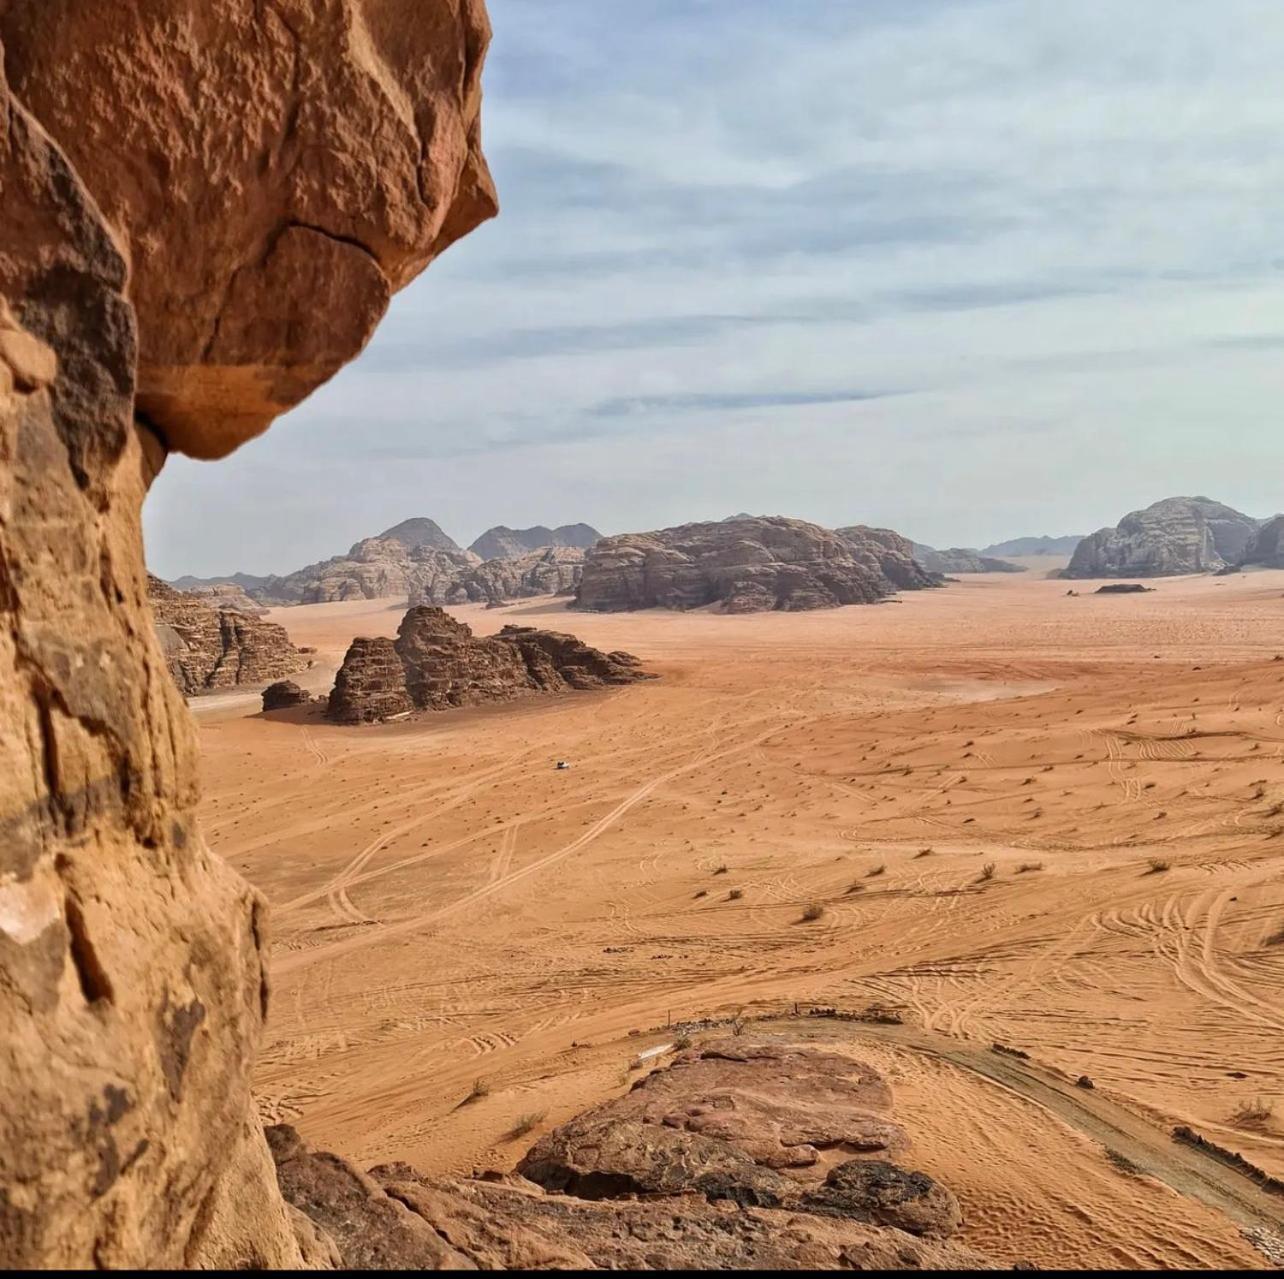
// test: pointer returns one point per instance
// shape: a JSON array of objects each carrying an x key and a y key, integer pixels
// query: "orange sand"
[{"x": 446, "y": 905}]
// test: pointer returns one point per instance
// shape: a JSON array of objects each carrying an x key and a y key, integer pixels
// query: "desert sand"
[{"x": 1053, "y": 823}]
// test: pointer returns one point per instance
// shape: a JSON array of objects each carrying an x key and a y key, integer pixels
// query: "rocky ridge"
[
  {"x": 961, "y": 559},
  {"x": 502, "y": 542},
  {"x": 1045, "y": 545},
  {"x": 436, "y": 663},
  {"x": 1176, "y": 536},
  {"x": 745, "y": 565},
  {"x": 1266, "y": 549},
  {"x": 725, "y": 1160},
  {"x": 554, "y": 571},
  {"x": 211, "y": 648}
]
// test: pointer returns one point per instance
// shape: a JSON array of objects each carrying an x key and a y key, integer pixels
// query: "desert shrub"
[
  {"x": 1253, "y": 1113},
  {"x": 527, "y": 1122},
  {"x": 1026, "y": 867},
  {"x": 812, "y": 911},
  {"x": 1158, "y": 865},
  {"x": 923, "y": 852},
  {"x": 721, "y": 870},
  {"x": 682, "y": 1043},
  {"x": 987, "y": 872},
  {"x": 735, "y": 894},
  {"x": 480, "y": 1089}
]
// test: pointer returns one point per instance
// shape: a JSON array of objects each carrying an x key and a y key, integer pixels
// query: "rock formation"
[
  {"x": 204, "y": 205},
  {"x": 376, "y": 568},
  {"x": 741, "y": 566},
  {"x": 1267, "y": 545},
  {"x": 1176, "y": 536},
  {"x": 960, "y": 559},
  {"x": 502, "y": 542},
  {"x": 436, "y": 663},
  {"x": 554, "y": 571},
  {"x": 207, "y": 648},
  {"x": 726, "y": 1160},
  {"x": 284, "y": 694},
  {"x": 228, "y": 595},
  {"x": 883, "y": 551}
]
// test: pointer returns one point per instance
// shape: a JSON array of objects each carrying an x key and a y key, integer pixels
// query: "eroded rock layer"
[
  {"x": 1176, "y": 536},
  {"x": 207, "y": 648},
  {"x": 716, "y": 1163},
  {"x": 436, "y": 663},
  {"x": 553, "y": 571},
  {"x": 741, "y": 565}
]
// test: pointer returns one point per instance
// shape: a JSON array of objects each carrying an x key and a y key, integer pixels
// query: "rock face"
[
  {"x": 1267, "y": 545},
  {"x": 683, "y": 1173},
  {"x": 284, "y": 694},
  {"x": 207, "y": 648},
  {"x": 228, "y": 595},
  {"x": 353, "y": 161},
  {"x": 961, "y": 559},
  {"x": 880, "y": 550},
  {"x": 376, "y": 568},
  {"x": 554, "y": 571},
  {"x": 436, "y": 663},
  {"x": 502, "y": 542},
  {"x": 204, "y": 205},
  {"x": 1176, "y": 536},
  {"x": 739, "y": 565}
]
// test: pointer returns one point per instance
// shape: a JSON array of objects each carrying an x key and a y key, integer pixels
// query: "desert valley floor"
[{"x": 1047, "y": 822}]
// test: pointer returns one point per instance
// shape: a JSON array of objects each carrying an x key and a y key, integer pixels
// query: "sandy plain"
[{"x": 1053, "y": 823}]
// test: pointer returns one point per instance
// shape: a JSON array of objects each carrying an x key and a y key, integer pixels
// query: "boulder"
[
  {"x": 738, "y": 565},
  {"x": 1176, "y": 536},
  {"x": 437, "y": 663},
  {"x": 207, "y": 649},
  {"x": 284, "y": 694}
]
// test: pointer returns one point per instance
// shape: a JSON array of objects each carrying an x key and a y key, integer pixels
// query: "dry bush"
[
  {"x": 1026, "y": 867},
  {"x": 1255, "y": 1112},
  {"x": 735, "y": 894},
  {"x": 480, "y": 1089},
  {"x": 682, "y": 1043},
  {"x": 857, "y": 887},
  {"x": 722, "y": 870},
  {"x": 923, "y": 852},
  {"x": 987, "y": 872},
  {"x": 812, "y": 911},
  {"x": 526, "y": 1123},
  {"x": 1158, "y": 865},
  {"x": 1123, "y": 1163}
]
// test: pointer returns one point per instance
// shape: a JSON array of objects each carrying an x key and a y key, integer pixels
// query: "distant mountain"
[
  {"x": 504, "y": 543},
  {"x": 960, "y": 559},
  {"x": 414, "y": 533},
  {"x": 1176, "y": 536},
  {"x": 1022, "y": 546},
  {"x": 246, "y": 581}
]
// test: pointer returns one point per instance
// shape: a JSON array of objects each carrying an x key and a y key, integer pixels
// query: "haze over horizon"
[{"x": 971, "y": 269}]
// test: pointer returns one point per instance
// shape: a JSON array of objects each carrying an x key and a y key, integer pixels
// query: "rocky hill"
[
  {"x": 209, "y": 648},
  {"x": 1267, "y": 545},
  {"x": 1023, "y": 546},
  {"x": 436, "y": 663},
  {"x": 502, "y": 542},
  {"x": 961, "y": 559},
  {"x": 739, "y": 565},
  {"x": 882, "y": 551},
  {"x": 1176, "y": 536},
  {"x": 699, "y": 1167},
  {"x": 556, "y": 570},
  {"x": 228, "y": 595}
]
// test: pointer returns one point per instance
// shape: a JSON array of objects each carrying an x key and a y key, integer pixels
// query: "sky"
[{"x": 970, "y": 269}]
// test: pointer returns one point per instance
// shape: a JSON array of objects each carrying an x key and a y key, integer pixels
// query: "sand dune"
[{"x": 447, "y": 905}]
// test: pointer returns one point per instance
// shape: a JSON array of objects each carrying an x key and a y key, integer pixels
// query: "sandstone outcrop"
[
  {"x": 554, "y": 571},
  {"x": 502, "y": 542},
  {"x": 228, "y": 595},
  {"x": 207, "y": 648},
  {"x": 960, "y": 559},
  {"x": 274, "y": 173},
  {"x": 1267, "y": 545},
  {"x": 284, "y": 694},
  {"x": 883, "y": 551},
  {"x": 202, "y": 215},
  {"x": 376, "y": 568},
  {"x": 1176, "y": 536},
  {"x": 436, "y": 663},
  {"x": 643, "y": 1183},
  {"x": 738, "y": 565}
]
